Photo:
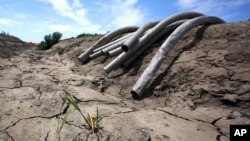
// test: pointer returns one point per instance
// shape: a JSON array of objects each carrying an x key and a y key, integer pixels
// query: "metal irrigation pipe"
[
  {"x": 166, "y": 30},
  {"x": 148, "y": 36},
  {"x": 126, "y": 55},
  {"x": 115, "y": 52},
  {"x": 114, "y": 46},
  {"x": 166, "y": 47},
  {"x": 171, "y": 19},
  {"x": 128, "y": 44},
  {"x": 105, "y": 39},
  {"x": 113, "y": 42},
  {"x": 106, "y": 49},
  {"x": 95, "y": 55}
]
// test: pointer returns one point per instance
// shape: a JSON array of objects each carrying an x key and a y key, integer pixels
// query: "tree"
[{"x": 49, "y": 41}]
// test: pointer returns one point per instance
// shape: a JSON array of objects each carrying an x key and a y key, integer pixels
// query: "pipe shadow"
[{"x": 149, "y": 91}]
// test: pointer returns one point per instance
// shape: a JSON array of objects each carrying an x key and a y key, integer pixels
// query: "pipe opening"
[
  {"x": 83, "y": 62},
  {"x": 135, "y": 95},
  {"x": 109, "y": 55},
  {"x": 103, "y": 53},
  {"x": 125, "y": 48}
]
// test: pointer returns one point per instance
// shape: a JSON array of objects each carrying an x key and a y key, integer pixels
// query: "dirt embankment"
[
  {"x": 200, "y": 89},
  {"x": 11, "y": 45}
]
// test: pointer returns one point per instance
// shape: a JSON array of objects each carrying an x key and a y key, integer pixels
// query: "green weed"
[{"x": 92, "y": 123}]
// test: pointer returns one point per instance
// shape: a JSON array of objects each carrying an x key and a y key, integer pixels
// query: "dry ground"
[{"x": 200, "y": 89}]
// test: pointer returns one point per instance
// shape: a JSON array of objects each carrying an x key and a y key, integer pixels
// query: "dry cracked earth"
[{"x": 200, "y": 89}]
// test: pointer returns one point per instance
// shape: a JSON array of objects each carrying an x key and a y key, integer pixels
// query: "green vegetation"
[
  {"x": 91, "y": 122},
  {"x": 4, "y": 33},
  {"x": 88, "y": 35},
  {"x": 49, "y": 41}
]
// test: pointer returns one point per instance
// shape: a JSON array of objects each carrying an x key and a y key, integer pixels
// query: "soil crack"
[
  {"x": 47, "y": 135},
  {"x": 176, "y": 115},
  {"x": 220, "y": 133},
  {"x": 7, "y": 133}
]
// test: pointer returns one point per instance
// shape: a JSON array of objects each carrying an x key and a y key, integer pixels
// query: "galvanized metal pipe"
[
  {"x": 125, "y": 55},
  {"x": 166, "y": 30},
  {"x": 119, "y": 59},
  {"x": 95, "y": 55},
  {"x": 167, "y": 21},
  {"x": 115, "y": 52},
  {"x": 148, "y": 36},
  {"x": 134, "y": 39},
  {"x": 113, "y": 42},
  {"x": 84, "y": 57},
  {"x": 166, "y": 47},
  {"x": 114, "y": 46},
  {"x": 106, "y": 50}
]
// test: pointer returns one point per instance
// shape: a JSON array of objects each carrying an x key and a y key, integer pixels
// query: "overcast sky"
[{"x": 30, "y": 20}]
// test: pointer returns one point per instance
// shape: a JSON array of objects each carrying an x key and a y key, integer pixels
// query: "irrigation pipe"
[
  {"x": 84, "y": 57},
  {"x": 166, "y": 47},
  {"x": 126, "y": 55},
  {"x": 158, "y": 28},
  {"x": 128, "y": 44},
  {"x": 166, "y": 31},
  {"x": 115, "y": 52},
  {"x": 125, "y": 37}
]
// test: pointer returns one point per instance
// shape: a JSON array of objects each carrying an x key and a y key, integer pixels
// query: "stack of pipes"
[{"x": 130, "y": 42}]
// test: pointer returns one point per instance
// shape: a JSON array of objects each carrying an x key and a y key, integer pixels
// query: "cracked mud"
[{"x": 201, "y": 88}]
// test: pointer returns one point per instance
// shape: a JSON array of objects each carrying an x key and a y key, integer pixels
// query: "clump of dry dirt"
[{"x": 202, "y": 87}]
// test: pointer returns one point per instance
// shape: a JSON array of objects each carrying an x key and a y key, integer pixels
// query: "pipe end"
[
  {"x": 83, "y": 61},
  {"x": 107, "y": 70},
  {"x": 135, "y": 95},
  {"x": 109, "y": 55},
  {"x": 125, "y": 48}
]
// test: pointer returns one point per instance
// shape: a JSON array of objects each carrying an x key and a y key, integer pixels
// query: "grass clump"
[
  {"x": 92, "y": 123},
  {"x": 49, "y": 41}
]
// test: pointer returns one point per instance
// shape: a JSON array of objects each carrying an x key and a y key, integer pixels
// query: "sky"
[{"x": 30, "y": 20}]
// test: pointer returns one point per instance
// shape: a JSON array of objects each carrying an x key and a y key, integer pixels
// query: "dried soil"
[{"x": 202, "y": 87}]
